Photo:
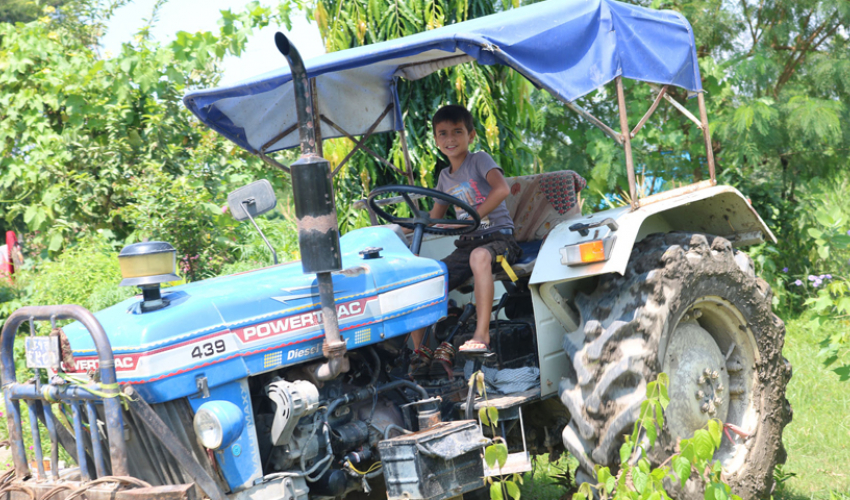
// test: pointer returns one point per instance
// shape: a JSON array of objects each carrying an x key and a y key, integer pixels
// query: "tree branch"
[
  {"x": 749, "y": 23},
  {"x": 798, "y": 56}
]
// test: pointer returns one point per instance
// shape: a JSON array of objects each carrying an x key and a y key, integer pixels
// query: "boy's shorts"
[{"x": 498, "y": 243}]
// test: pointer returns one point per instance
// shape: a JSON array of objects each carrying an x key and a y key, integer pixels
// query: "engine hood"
[{"x": 233, "y": 326}]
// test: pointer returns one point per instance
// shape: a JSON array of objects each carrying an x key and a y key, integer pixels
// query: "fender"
[{"x": 718, "y": 210}]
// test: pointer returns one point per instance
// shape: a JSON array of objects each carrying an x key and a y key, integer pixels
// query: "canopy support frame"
[
  {"x": 595, "y": 121},
  {"x": 627, "y": 143},
  {"x": 706, "y": 133},
  {"x": 650, "y": 111},
  {"x": 278, "y": 137},
  {"x": 272, "y": 162},
  {"x": 361, "y": 144},
  {"x": 314, "y": 104}
]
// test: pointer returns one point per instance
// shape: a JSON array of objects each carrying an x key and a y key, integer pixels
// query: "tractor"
[{"x": 295, "y": 382}]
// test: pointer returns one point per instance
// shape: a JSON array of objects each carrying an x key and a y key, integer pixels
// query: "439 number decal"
[{"x": 208, "y": 349}]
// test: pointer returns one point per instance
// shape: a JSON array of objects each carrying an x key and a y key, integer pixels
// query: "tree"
[
  {"x": 24, "y": 11},
  {"x": 89, "y": 143}
]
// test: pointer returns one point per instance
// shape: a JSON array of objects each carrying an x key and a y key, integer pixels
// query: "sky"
[{"x": 260, "y": 56}]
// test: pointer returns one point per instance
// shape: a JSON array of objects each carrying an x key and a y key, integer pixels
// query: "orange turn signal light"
[{"x": 592, "y": 251}]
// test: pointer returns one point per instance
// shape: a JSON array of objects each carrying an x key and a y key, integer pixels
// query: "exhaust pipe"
[{"x": 315, "y": 212}]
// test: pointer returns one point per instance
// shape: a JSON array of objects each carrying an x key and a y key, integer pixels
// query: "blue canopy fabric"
[{"x": 568, "y": 47}]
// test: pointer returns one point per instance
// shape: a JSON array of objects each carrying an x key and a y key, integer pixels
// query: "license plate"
[{"x": 42, "y": 352}]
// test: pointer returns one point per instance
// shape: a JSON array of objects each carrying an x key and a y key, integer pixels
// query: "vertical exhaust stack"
[{"x": 315, "y": 211}]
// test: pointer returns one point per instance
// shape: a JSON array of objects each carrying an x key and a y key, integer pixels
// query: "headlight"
[{"x": 218, "y": 423}]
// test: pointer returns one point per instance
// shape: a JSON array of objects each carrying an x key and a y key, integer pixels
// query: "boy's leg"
[
  {"x": 416, "y": 336},
  {"x": 481, "y": 262}
]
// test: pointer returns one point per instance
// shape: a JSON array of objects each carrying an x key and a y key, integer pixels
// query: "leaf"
[
  {"x": 55, "y": 242},
  {"x": 625, "y": 452},
  {"x": 496, "y": 491},
  {"x": 501, "y": 454},
  {"x": 610, "y": 484},
  {"x": 491, "y": 455},
  {"x": 513, "y": 490},
  {"x": 843, "y": 372},
  {"x": 482, "y": 415},
  {"x": 664, "y": 398},
  {"x": 493, "y": 415},
  {"x": 602, "y": 476},
  {"x": 640, "y": 480},
  {"x": 703, "y": 445},
  {"x": 651, "y": 433},
  {"x": 715, "y": 430},
  {"x": 479, "y": 382},
  {"x": 841, "y": 240},
  {"x": 578, "y": 496},
  {"x": 682, "y": 467}
]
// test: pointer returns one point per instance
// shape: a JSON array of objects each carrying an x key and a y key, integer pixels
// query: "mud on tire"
[{"x": 691, "y": 306}]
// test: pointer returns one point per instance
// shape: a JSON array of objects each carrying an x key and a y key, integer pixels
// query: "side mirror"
[{"x": 252, "y": 200}]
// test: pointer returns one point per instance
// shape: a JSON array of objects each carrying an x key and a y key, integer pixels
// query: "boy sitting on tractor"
[{"x": 476, "y": 179}]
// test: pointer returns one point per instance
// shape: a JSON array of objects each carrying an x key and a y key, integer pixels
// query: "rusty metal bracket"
[
  {"x": 642, "y": 122},
  {"x": 683, "y": 109},
  {"x": 627, "y": 143},
  {"x": 709, "y": 150},
  {"x": 595, "y": 121},
  {"x": 172, "y": 443},
  {"x": 278, "y": 137},
  {"x": 274, "y": 163}
]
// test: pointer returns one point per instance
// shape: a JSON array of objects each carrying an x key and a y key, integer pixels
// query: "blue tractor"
[{"x": 295, "y": 381}]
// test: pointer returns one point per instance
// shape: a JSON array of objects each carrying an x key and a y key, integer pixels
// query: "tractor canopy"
[{"x": 568, "y": 47}]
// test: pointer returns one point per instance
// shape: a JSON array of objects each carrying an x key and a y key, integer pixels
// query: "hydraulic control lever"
[
  {"x": 584, "y": 228},
  {"x": 502, "y": 303},
  {"x": 468, "y": 311}
]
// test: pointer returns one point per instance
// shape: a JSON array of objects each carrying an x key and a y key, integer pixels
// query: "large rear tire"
[{"x": 691, "y": 306}]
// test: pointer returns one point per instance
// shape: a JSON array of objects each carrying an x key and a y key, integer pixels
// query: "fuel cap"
[{"x": 371, "y": 253}]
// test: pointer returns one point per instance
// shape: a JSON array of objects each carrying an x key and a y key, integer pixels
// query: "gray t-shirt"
[{"x": 470, "y": 184}]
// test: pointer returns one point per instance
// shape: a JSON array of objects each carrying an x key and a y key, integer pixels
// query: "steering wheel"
[{"x": 421, "y": 220}]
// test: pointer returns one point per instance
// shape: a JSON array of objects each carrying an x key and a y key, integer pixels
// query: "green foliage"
[
  {"x": 86, "y": 274},
  {"x": 503, "y": 487},
  {"x": 90, "y": 142},
  {"x": 24, "y": 11},
  {"x": 637, "y": 479},
  {"x": 814, "y": 256}
]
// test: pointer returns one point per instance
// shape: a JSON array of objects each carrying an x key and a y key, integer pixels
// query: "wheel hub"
[{"x": 699, "y": 385}]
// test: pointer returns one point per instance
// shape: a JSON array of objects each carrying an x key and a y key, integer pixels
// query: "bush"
[{"x": 86, "y": 274}]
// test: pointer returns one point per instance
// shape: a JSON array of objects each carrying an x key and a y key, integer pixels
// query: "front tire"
[{"x": 688, "y": 305}]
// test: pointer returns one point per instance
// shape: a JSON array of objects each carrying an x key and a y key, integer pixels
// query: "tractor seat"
[{"x": 537, "y": 203}]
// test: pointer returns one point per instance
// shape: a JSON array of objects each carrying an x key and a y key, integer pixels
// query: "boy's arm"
[{"x": 499, "y": 191}]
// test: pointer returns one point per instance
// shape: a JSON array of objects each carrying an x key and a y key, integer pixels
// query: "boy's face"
[{"x": 453, "y": 139}]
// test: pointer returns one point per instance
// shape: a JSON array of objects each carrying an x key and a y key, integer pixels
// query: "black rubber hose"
[
  {"x": 376, "y": 371},
  {"x": 370, "y": 391}
]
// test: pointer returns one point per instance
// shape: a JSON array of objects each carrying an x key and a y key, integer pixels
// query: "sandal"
[{"x": 474, "y": 347}]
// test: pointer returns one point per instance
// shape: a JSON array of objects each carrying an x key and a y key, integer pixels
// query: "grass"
[
  {"x": 817, "y": 440},
  {"x": 550, "y": 481}
]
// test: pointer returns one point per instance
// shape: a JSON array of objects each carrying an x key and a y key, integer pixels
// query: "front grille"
[{"x": 146, "y": 457}]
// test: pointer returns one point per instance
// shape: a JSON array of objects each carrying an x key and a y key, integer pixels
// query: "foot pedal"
[{"x": 483, "y": 356}]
